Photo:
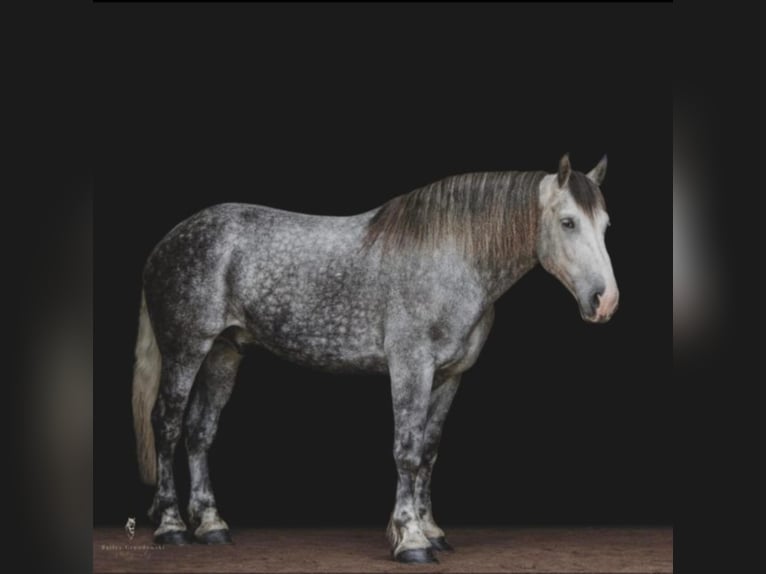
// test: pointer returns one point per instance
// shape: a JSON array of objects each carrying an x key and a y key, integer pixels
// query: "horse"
[{"x": 406, "y": 289}]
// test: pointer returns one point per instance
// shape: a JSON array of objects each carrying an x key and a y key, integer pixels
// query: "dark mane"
[
  {"x": 586, "y": 194},
  {"x": 492, "y": 216}
]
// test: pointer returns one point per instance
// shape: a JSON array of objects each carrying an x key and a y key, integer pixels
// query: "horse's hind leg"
[
  {"x": 211, "y": 392},
  {"x": 177, "y": 377},
  {"x": 441, "y": 400}
]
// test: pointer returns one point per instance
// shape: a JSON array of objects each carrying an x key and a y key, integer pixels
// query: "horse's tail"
[{"x": 146, "y": 382}]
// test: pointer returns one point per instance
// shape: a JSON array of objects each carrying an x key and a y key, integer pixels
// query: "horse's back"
[{"x": 254, "y": 235}]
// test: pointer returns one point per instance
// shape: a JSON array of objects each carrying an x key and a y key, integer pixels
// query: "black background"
[{"x": 333, "y": 110}]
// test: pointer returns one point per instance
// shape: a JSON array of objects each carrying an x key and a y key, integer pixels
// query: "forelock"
[{"x": 585, "y": 193}]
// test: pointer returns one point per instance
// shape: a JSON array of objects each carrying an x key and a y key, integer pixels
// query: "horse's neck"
[{"x": 498, "y": 281}]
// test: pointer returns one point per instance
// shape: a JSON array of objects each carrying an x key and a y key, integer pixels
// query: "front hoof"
[
  {"x": 215, "y": 537},
  {"x": 416, "y": 556},
  {"x": 173, "y": 538},
  {"x": 441, "y": 543}
]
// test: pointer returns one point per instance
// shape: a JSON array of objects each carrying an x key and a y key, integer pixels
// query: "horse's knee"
[{"x": 407, "y": 460}]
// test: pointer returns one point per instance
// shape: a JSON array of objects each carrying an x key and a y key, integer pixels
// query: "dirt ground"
[{"x": 484, "y": 550}]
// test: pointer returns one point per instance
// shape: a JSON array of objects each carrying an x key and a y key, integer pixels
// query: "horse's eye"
[{"x": 568, "y": 222}]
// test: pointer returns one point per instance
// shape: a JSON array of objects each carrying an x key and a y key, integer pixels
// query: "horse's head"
[{"x": 571, "y": 245}]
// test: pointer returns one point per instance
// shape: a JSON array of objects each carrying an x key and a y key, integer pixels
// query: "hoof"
[
  {"x": 440, "y": 544},
  {"x": 215, "y": 537},
  {"x": 173, "y": 538},
  {"x": 416, "y": 556}
]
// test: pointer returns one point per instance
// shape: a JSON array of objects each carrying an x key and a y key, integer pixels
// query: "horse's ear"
[
  {"x": 598, "y": 173},
  {"x": 564, "y": 170}
]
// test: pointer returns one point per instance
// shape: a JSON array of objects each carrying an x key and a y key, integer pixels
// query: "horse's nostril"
[{"x": 595, "y": 299}]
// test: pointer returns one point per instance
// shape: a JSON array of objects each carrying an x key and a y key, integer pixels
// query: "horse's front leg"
[
  {"x": 441, "y": 400},
  {"x": 411, "y": 380}
]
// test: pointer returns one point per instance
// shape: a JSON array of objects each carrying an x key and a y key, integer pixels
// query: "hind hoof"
[
  {"x": 441, "y": 544},
  {"x": 173, "y": 538},
  {"x": 215, "y": 537},
  {"x": 416, "y": 556}
]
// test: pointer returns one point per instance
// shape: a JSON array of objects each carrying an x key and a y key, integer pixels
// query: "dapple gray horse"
[{"x": 405, "y": 289}]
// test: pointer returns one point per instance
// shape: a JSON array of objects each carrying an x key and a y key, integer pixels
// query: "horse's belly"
[
  {"x": 334, "y": 356},
  {"x": 339, "y": 346},
  {"x": 323, "y": 313}
]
